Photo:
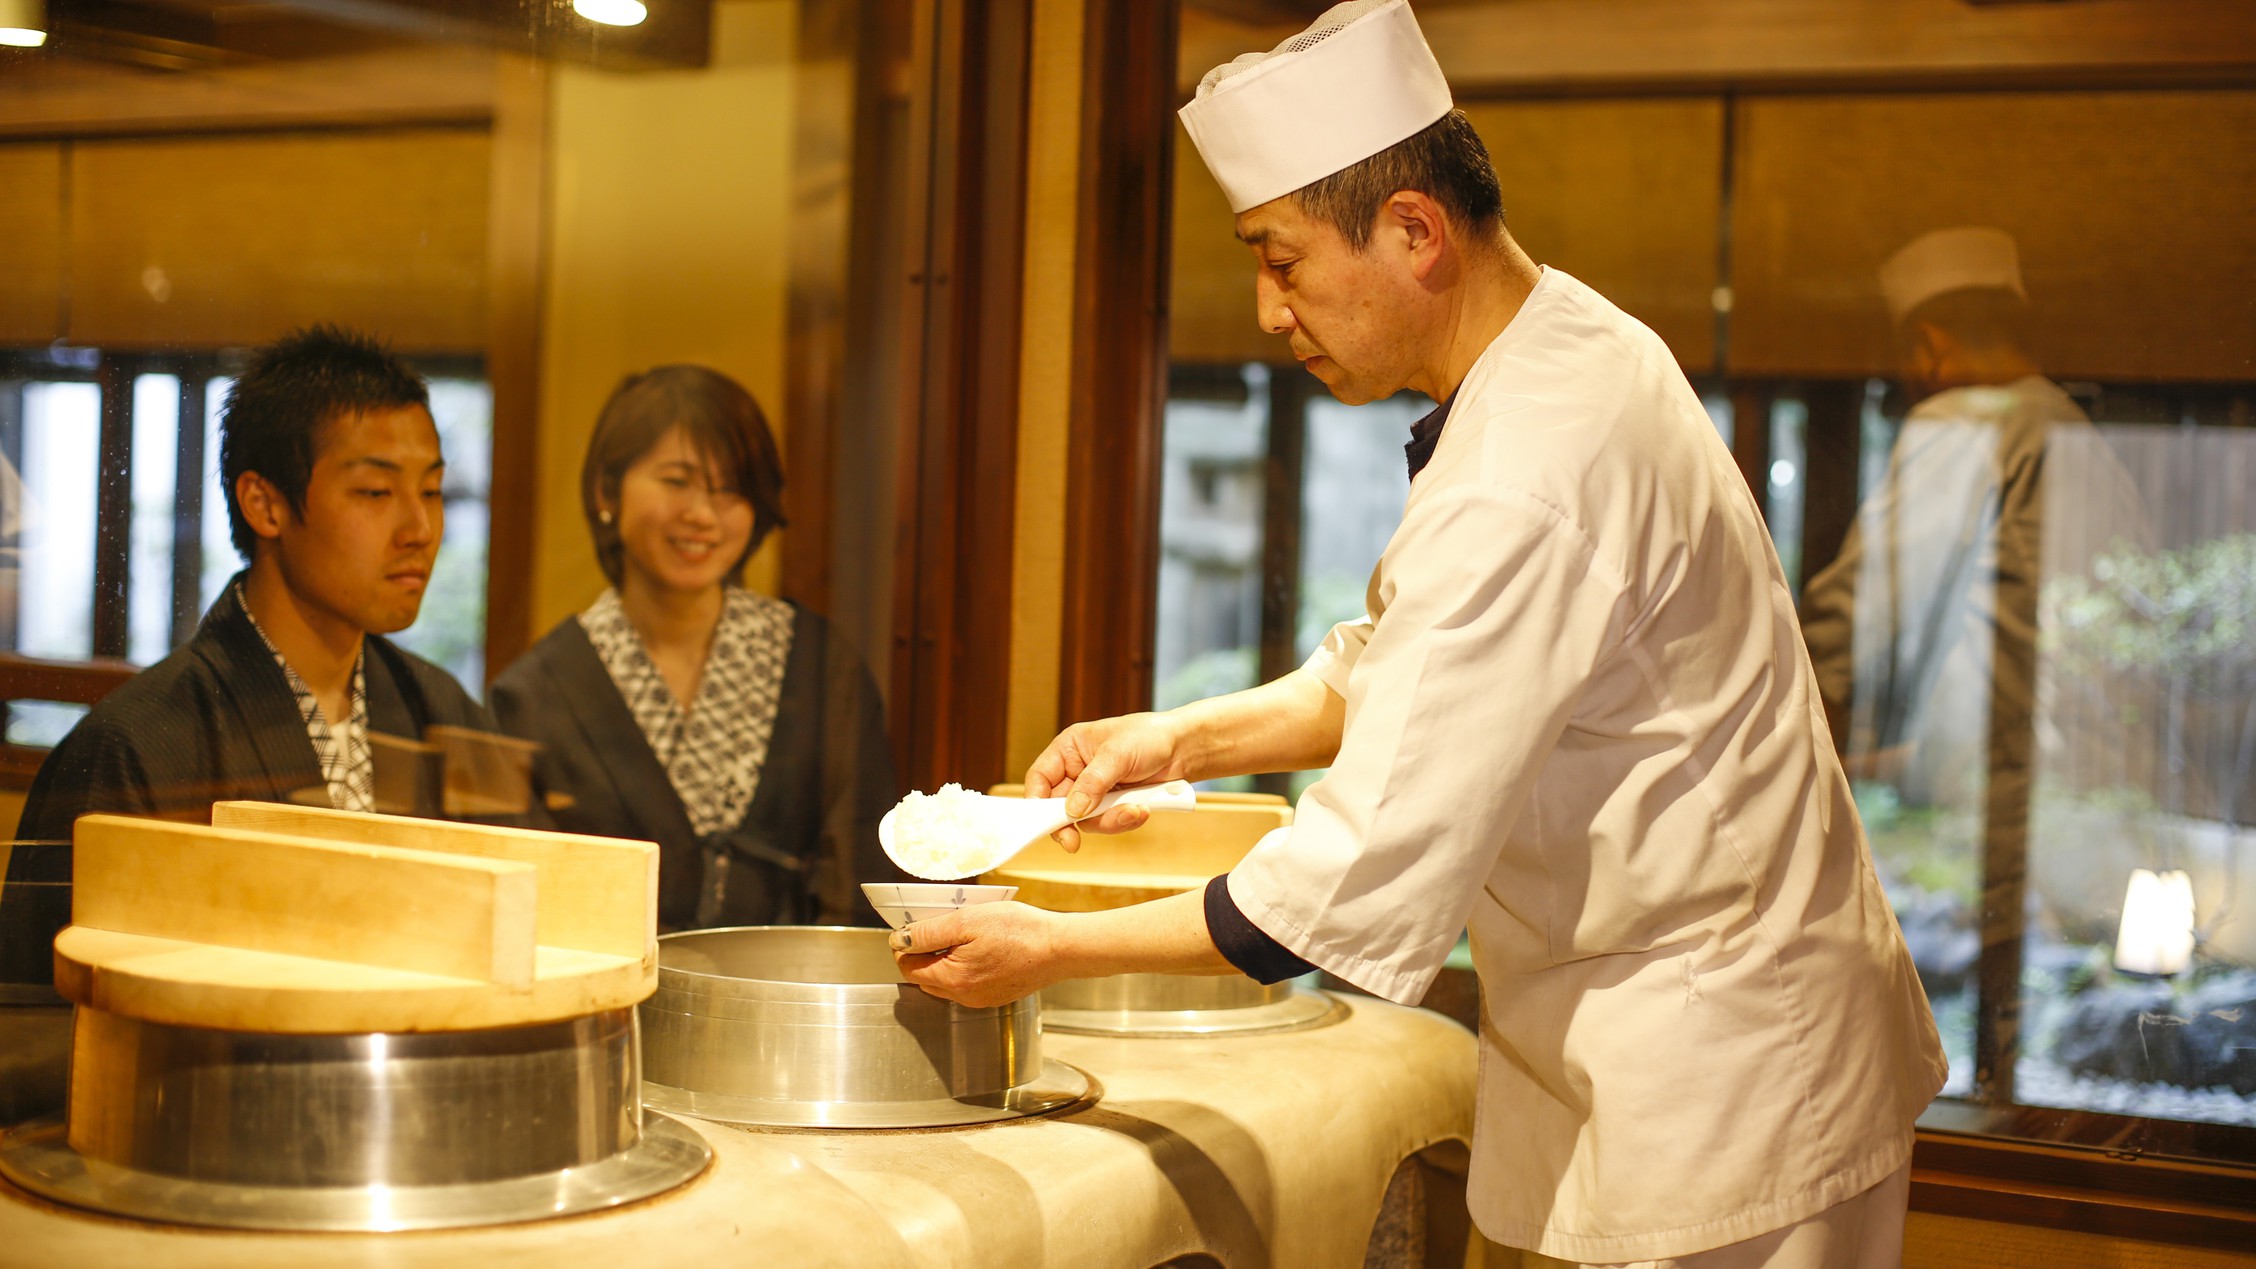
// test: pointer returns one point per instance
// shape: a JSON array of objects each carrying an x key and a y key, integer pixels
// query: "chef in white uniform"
[
  {"x": 1997, "y": 482},
  {"x": 1577, "y": 718}
]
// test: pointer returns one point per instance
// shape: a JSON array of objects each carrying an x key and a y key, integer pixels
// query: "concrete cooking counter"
[{"x": 1262, "y": 1150}]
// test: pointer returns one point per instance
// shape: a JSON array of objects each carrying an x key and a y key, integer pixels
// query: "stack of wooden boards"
[
  {"x": 309, "y": 921},
  {"x": 1173, "y": 852}
]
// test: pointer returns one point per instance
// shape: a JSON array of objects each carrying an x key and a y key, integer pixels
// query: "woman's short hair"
[{"x": 721, "y": 421}]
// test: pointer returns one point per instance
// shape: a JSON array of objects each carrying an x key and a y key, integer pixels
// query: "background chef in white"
[{"x": 1578, "y": 718}]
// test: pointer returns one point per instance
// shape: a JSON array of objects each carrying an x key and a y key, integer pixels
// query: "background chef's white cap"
[
  {"x": 1949, "y": 260},
  {"x": 1357, "y": 81}
]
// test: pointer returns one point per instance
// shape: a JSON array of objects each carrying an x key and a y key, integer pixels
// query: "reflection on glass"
[
  {"x": 451, "y": 628},
  {"x": 55, "y": 600},
  {"x": 2038, "y": 648},
  {"x": 218, "y": 549},
  {"x": 41, "y": 724},
  {"x": 1275, "y": 504},
  {"x": 156, "y": 452},
  {"x": 1210, "y": 521}
]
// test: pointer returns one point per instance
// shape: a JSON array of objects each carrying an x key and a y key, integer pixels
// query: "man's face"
[
  {"x": 1344, "y": 310},
  {"x": 373, "y": 518}
]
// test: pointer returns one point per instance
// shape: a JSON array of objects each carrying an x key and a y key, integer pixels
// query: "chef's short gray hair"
[{"x": 1444, "y": 161}]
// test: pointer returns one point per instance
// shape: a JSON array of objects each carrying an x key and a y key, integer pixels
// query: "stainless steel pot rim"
[
  {"x": 1300, "y": 1011},
  {"x": 700, "y": 975},
  {"x": 36, "y": 1157},
  {"x": 836, "y": 1014},
  {"x": 696, "y": 984},
  {"x": 1057, "y": 1087}
]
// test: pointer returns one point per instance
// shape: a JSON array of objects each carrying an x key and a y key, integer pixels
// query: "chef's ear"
[{"x": 1421, "y": 228}]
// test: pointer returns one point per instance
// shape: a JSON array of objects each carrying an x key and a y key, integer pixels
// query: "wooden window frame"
[{"x": 958, "y": 441}]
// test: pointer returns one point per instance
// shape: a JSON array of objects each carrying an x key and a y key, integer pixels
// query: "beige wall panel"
[
  {"x": 2132, "y": 211},
  {"x": 212, "y": 242},
  {"x": 670, "y": 241},
  {"x": 1045, "y": 380},
  {"x": 1622, "y": 194},
  {"x": 31, "y": 243},
  {"x": 1210, "y": 302}
]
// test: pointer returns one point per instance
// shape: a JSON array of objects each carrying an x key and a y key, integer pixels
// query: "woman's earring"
[{"x": 604, "y": 515}]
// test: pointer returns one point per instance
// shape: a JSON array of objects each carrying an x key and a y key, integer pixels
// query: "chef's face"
[
  {"x": 681, "y": 519},
  {"x": 1344, "y": 310},
  {"x": 361, "y": 553}
]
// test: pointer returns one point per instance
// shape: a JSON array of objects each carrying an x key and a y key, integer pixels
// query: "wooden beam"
[
  {"x": 188, "y": 509},
  {"x": 1120, "y": 360},
  {"x": 399, "y": 909},
  {"x": 2093, "y": 1188},
  {"x": 952, "y": 609},
  {"x": 437, "y": 85},
  {"x": 1750, "y": 439},
  {"x": 113, "y": 509},
  {"x": 25, "y": 678},
  {"x": 676, "y": 33},
  {"x": 1581, "y": 46},
  {"x": 825, "y": 155},
  {"x": 1830, "y": 464},
  {"x": 1282, "y": 472},
  {"x": 516, "y": 262}
]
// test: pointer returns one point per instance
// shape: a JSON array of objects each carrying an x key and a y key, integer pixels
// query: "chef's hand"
[
  {"x": 983, "y": 955},
  {"x": 1089, "y": 760}
]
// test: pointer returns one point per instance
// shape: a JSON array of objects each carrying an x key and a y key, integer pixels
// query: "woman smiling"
[{"x": 737, "y": 731}]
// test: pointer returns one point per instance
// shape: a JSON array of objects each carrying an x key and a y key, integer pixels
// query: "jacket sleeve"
[
  {"x": 97, "y": 769},
  {"x": 1495, "y": 609}
]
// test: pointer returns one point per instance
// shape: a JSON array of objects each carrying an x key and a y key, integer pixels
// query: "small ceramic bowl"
[{"x": 902, "y": 902}]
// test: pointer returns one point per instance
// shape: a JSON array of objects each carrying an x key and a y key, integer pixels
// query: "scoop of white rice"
[{"x": 937, "y": 836}]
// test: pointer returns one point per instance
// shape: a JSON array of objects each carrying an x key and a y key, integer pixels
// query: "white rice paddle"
[{"x": 956, "y": 833}]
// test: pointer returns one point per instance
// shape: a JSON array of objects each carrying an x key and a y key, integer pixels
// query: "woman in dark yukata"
[{"x": 740, "y": 733}]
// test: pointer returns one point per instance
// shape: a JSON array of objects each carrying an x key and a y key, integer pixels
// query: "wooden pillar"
[
  {"x": 188, "y": 509},
  {"x": 952, "y": 596},
  {"x": 1830, "y": 460},
  {"x": 113, "y": 509},
  {"x": 1120, "y": 359}
]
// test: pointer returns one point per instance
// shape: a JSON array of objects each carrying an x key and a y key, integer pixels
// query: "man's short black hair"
[
  {"x": 292, "y": 389},
  {"x": 1445, "y": 161}
]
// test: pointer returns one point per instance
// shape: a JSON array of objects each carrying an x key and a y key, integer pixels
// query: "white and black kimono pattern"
[{"x": 713, "y": 750}]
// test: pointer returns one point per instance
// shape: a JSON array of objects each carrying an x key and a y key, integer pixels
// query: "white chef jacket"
[
  {"x": 1986, "y": 484},
  {"x": 1580, "y": 720}
]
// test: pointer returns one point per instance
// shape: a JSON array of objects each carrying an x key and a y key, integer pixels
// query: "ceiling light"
[
  {"x": 609, "y": 12},
  {"x": 23, "y": 23}
]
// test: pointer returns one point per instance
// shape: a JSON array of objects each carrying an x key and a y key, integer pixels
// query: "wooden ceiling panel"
[
  {"x": 1625, "y": 195},
  {"x": 2131, "y": 210},
  {"x": 31, "y": 243},
  {"x": 219, "y": 242}
]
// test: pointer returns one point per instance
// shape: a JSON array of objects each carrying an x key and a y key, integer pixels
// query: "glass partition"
[{"x": 2007, "y": 469}]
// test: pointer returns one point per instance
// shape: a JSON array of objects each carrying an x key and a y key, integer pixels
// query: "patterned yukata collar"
[
  {"x": 348, "y": 762},
  {"x": 714, "y": 751}
]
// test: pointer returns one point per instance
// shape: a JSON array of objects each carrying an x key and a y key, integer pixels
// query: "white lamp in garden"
[{"x": 2156, "y": 938}]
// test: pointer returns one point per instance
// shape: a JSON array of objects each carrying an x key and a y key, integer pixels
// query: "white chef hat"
[
  {"x": 1949, "y": 260},
  {"x": 1355, "y": 82}
]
